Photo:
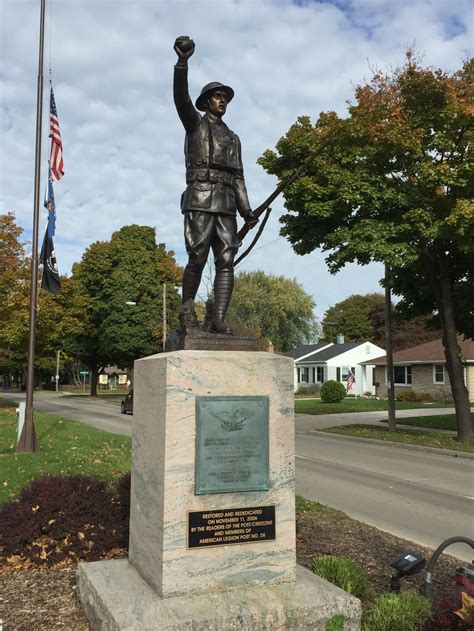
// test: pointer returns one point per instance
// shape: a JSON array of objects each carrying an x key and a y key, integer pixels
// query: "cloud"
[{"x": 112, "y": 64}]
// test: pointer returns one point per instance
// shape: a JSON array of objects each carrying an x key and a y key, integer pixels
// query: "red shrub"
[{"x": 63, "y": 517}]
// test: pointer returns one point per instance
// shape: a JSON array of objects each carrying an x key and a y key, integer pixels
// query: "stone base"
[
  {"x": 197, "y": 339},
  {"x": 115, "y": 597}
]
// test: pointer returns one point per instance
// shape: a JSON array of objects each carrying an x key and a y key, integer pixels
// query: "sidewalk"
[{"x": 308, "y": 422}]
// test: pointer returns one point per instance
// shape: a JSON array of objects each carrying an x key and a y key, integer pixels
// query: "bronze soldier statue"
[{"x": 215, "y": 188}]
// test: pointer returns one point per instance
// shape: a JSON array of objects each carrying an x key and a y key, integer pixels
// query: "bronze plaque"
[
  {"x": 229, "y": 526},
  {"x": 231, "y": 444}
]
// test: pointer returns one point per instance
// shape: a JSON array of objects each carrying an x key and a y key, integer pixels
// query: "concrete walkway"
[{"x": 307, "y": 422}]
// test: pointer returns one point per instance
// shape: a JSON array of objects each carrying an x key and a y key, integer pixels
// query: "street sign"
[{"x": 84, "y": 373}]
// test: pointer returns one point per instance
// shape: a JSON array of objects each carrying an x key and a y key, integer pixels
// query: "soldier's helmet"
[{"x": 208, "y": 89}]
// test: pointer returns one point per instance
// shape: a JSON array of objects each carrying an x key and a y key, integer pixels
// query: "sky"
[{"x": 112, "y": 69}]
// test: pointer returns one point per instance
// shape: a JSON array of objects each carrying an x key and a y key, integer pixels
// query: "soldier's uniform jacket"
[{"x": 214, "y": 172}]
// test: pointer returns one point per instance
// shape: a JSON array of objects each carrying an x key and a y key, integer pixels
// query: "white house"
[{"x": 317, "y": 363}]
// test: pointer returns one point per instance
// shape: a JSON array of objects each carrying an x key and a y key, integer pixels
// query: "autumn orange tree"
[
  {"x": 14, "y": 296},
  {"x": 395, "y": 185}
]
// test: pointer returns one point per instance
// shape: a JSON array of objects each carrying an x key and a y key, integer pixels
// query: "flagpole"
[{"x": 28, "y": 441}]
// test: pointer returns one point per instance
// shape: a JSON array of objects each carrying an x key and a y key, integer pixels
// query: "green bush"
[
  {"x": 398, "y": 612},
  {"x": 407, "y": 394},
  {"x": 344, "y": 573},
  {"x": 332, "y": 391}
]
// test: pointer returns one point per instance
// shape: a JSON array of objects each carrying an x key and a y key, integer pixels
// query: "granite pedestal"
[{"x": 248, "y": 584}]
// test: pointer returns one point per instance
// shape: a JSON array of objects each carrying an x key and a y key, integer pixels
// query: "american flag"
[
  {"x": 350, "y": 380},
  {"x": 56, "y": 154}
]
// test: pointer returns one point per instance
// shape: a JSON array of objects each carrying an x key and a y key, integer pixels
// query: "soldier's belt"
[{"x": 210, "y": 175}]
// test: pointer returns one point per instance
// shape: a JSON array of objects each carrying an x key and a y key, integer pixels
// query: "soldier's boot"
[
  {"x": 191, "y": 282},
  {"x": 187, "y": 311},
  {"x": 223, "y": 285},
  {"x": 208, "y": 315}
]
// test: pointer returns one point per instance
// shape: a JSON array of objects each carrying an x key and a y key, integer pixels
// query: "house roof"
[
  {"x": 301, "y": 351},
  {"x": 330, "y": 352},
  {"x": 113, "y": 370},
  {"x": 427, "y": 353}
]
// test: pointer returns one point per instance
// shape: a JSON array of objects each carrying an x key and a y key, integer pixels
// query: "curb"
[{"x": 389, "y": 443}]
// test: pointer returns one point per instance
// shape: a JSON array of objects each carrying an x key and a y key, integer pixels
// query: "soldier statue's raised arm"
[{"x": 215, "y": 189}]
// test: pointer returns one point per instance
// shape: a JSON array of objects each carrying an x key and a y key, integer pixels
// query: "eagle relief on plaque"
[{"x": 231, "y": 444}]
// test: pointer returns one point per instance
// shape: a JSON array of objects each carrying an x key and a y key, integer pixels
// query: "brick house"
[{"x": 423, "y": 369}]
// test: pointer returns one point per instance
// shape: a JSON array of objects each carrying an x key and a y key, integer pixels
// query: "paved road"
[
  {"x": 102, "y": 414},
  {"x": 421, "y": 496},
  {"x": 424, "y": 497}
]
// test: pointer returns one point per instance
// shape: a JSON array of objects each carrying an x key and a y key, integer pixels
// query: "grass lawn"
[
  {"x": 443, "y": 421},
  {"x": 65, "y": 447},
  {"x": 408, "y": 436},
  {"x": 316, "y": 406}
]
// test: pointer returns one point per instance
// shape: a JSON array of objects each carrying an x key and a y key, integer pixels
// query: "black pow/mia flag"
[{"x": 50, "y": 280}]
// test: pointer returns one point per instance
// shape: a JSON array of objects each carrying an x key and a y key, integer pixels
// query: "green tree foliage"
[
  {"x": 352, "y": 318},
  {"x": 273, "y": 307},
  {"x": 362, "y": 317},
  {"x": 394, "y": 185},
  {"x": 130, "y": 267}
]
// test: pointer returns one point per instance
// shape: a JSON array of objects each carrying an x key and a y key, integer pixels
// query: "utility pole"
[
  {"x": 392, "y": 424},
  {"x": 57, "y": 371},
  {"x": 164, "y": 315},
  {"x": 28, "y": 441}
]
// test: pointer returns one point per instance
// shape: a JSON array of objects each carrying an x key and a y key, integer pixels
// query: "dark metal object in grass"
[{"x": 405, "y": 564}]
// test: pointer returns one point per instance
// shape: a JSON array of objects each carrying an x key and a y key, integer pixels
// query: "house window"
[
  {"x": 345, "y": 373},
  {"x": 438, "y": 373},
  {"x": 320, "y": 374},
  {"x": 304, "y": 374},
  {"x": 402, "y": 375}
]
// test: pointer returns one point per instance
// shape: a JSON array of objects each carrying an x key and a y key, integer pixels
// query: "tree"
[
  {"x": 273, "y": 307},
  {"x": 362, "y": 317},
  {"x": 59, "y": 319},
  {"x": 394, "y": 185},
  {"x": 352, "y": 318},
  {"x": 130, "y": 268},
  {"x": 408, "y": 329},
  {"x": 14, "y": 297}
]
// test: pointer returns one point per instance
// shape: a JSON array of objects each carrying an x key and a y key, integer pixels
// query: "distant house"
[
  {"x": 113, "y": 377},
  {"x": 423, "y": 368},
  {"x": 317, "y": 363}
]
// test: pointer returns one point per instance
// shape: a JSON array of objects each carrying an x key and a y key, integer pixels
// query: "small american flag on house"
[
  {"x": 350, "y": 380},
  {"x": 56, "y": 154}
]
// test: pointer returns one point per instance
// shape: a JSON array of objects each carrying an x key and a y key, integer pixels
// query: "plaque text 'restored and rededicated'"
[
  {"x": 231, "y": 444},
  {"x": 233, "y": 525}
]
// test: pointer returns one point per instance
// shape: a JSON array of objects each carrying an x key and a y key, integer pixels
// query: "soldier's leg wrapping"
[
  {"x": 224, "y": 246},
  {"x": 198, "y": 232}
]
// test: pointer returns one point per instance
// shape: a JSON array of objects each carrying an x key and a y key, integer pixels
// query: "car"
[{"x": 126, "y": 406}]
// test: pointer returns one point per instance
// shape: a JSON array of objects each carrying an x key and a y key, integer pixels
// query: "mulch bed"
[
  {"x": 46, "y": 599},
  {"x": 339, "y": 535}
]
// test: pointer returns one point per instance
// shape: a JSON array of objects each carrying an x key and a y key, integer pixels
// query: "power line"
[{"x": 261, "y": 247}]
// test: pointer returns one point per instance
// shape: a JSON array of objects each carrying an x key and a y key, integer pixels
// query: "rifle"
[{"x": 266, "y": 204}]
